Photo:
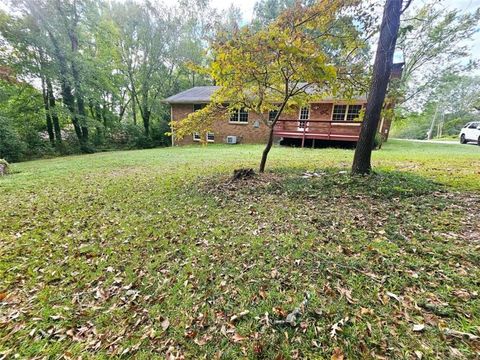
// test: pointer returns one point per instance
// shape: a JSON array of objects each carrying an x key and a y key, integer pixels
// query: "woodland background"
[{"x": 89, "y": 75}]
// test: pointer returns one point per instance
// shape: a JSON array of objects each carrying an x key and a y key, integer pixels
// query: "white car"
[{"x": 470, "y": 132}]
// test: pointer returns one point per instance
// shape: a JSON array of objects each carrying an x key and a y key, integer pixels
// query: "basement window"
[
  {"x": 239, "y": 117},
  {"x": 210, "y": 137}
]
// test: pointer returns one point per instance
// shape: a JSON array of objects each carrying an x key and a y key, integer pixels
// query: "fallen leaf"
[
  {"x": 190, "y": 334},
  {"x": 262, "y": 293},
  {"x": 366, "y": 311},
  {"x": 337, "y": 354},
  {"x": 347, "y": 294},
  {"x": 238, "y": 316},
  {"x": 418, "y": 327},
  {"x": 238, "y": 338},
  {"x": 3, "y": 296},
  {"x": 419, "y": 354},
  {"x": 165, "y": 324},
  {"x": 394, "y": 296},
  {"x": 203, "y": 340},
  {"x": 274, "y": 273}
]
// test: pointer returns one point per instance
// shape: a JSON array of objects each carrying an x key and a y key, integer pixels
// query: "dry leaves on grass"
[{"x": 337, "y": 354}]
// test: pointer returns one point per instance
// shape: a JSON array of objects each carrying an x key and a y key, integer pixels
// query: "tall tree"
[
  {"x": 433, "y": 40},
  {"x": 381, "y": 74}
]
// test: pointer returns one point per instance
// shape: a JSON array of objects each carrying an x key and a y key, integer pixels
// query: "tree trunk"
[
  {"x": 48, "y": 115},
  {"x": 67, "y": 96},
  {"x": 145, "y": 112},
  {"x": 266, "y": 150},
  {"x": 81, "y": 113},
  {"x": 134, "y": 111},
  {"x": 432, "y": 124},
  {"x": 146, "y": 121},
  {"x": 263, "y": 161},
  {"x": 53, "y": 113},
  {"x": 378, "y": 87}
]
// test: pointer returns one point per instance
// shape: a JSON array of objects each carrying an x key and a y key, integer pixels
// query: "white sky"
[{"x": 246, "y": 6}]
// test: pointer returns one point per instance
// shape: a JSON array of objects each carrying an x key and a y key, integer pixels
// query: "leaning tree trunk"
[
  {"x": 270, "y": 134},
  {"x": 266, "y": 150},
  {"x": 378, "y": 87}
]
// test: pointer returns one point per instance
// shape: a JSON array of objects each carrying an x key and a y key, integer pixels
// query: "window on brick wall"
[
  {"x": 196, "y": 136},
  {"x": 239, "y": 116},
  {"x": 210, "y": 137},
  {"x": 272, "y": 114},
  {"x": 197, "y": 107},
  {"x": 346, "y": 112}
]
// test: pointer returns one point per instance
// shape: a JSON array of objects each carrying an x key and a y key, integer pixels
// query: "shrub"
[
  {"x": 158, "y": 131},
  {"x": 377, "y": 141},
  {"x": 12, "y": 148}
]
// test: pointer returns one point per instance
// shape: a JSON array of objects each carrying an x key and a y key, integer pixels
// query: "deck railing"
[{"x": 317, "y": 129}]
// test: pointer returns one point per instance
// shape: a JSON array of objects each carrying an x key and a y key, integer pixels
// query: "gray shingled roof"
[
  {"x": 197, "y": 94},
  {"x": 202, "y": 94}
]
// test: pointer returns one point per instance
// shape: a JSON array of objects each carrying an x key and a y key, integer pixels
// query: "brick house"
[{"x": 328, "y": 119}]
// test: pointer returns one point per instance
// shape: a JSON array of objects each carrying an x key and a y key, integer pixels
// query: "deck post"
[{"x": 303, "y": 138}]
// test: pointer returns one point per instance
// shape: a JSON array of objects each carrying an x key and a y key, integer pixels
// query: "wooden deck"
[{"x": 318, "y": 129}]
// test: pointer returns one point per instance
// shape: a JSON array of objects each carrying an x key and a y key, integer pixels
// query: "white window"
[
  {"x": 239, "y": 116},
  {"x": 210, "y": 137},
  {"x": 346, "y": 112},
  {"x": 304, "y": 115},
  {"x": 196, "y": 136}
]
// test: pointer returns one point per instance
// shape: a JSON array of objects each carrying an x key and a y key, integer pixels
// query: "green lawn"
[{"x": 154, "y": 253}]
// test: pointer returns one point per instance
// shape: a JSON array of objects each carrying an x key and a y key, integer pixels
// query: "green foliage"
[
  {"x": 433, "y": 40},
  {"x": 99, "y": 67},
  {"x": 450, "y": 105},
  {"x": 12, "y": 148},
  {"x": 377, "y": 141}
]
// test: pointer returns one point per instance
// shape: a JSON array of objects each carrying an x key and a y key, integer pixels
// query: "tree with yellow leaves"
[{"x": 307, "y": 53}]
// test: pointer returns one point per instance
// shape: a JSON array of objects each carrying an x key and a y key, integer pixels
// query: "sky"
[{"x": 246, "y": 6}]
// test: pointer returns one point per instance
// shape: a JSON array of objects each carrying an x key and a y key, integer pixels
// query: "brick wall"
[
  {"x": 255, "y": 131},
  {"x": 247, "y": 133}
]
